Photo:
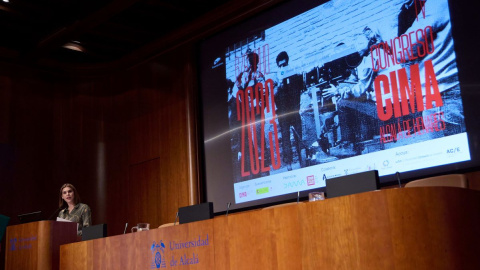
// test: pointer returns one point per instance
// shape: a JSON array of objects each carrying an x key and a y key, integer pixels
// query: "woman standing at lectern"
[{"x": 72, "y": 209}]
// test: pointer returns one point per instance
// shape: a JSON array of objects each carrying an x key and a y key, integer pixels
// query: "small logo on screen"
[
  {"x": 453, "y": 150},
  {"x": 310, "y": 180},
  {"x": 218, "y": 62},
  {"x": 262, "y": 190},
  {"x": 242, "y": 194}
]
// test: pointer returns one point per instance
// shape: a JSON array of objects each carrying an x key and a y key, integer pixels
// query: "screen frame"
[{"x": 462, "y": 18}]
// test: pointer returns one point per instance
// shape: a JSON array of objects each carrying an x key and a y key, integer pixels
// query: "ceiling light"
[
  {"x": 6, "y": 1},
  {"x": 74, "y": 46}
]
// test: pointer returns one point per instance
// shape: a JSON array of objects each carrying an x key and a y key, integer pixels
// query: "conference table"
[{"x": 404, "y": 228}]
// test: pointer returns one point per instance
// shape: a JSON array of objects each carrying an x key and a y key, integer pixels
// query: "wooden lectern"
[{"x": 36, "y": 245}]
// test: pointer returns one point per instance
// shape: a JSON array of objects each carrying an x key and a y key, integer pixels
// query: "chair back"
[
  {"x": 166, "y": 225},
  {"x": 280, "y": 205},
  {"x": 448, "y": 180},
  {"x": 3, "y": 225}
]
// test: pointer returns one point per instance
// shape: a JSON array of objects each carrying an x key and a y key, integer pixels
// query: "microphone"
[
  {"x": 228, "y": 208},
  {"x": 125, "y": 230},
  {"x": 54, "y": 213},
  {"x": 176, "y": 217},
  {"x": 397, "y": 174}
]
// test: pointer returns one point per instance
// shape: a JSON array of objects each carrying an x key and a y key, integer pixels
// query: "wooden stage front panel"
[{"x": 409, "y": 228}]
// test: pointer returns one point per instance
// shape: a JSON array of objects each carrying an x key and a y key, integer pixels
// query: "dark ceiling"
[{"x": 35, "y": 33}]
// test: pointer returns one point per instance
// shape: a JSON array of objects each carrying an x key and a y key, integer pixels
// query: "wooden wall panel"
[
  {"x": 144, "y": 198},
  {"x": 123, "y": 141},
  {"x": 117, "y": 164},
  {"x": 81, "y": 148},
  {"x": 5, "y": 101},
  {"x": 144, "y": 143},
  {"x": 107, "y": 137},
  {"x": 6, "y": 150},
  {"x": 158, "y": 135},
  {"x": 26, "y": 155},
  {"x": 25, "y": 148},
  {"x": 474, "y": 180}
]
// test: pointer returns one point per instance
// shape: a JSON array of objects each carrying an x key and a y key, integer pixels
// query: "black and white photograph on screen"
[{"x": 343, "y": 79}]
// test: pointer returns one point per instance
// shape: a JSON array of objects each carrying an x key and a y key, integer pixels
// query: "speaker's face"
[{"x": 68, "y": 195}]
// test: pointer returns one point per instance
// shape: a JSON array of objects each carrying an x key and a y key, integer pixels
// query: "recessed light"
[
  {"x": 74, "y": 46},
  {"x": 6, "y": 1}
]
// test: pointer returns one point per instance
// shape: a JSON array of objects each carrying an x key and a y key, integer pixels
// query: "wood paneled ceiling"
[{"x": 42, "y": 33}]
